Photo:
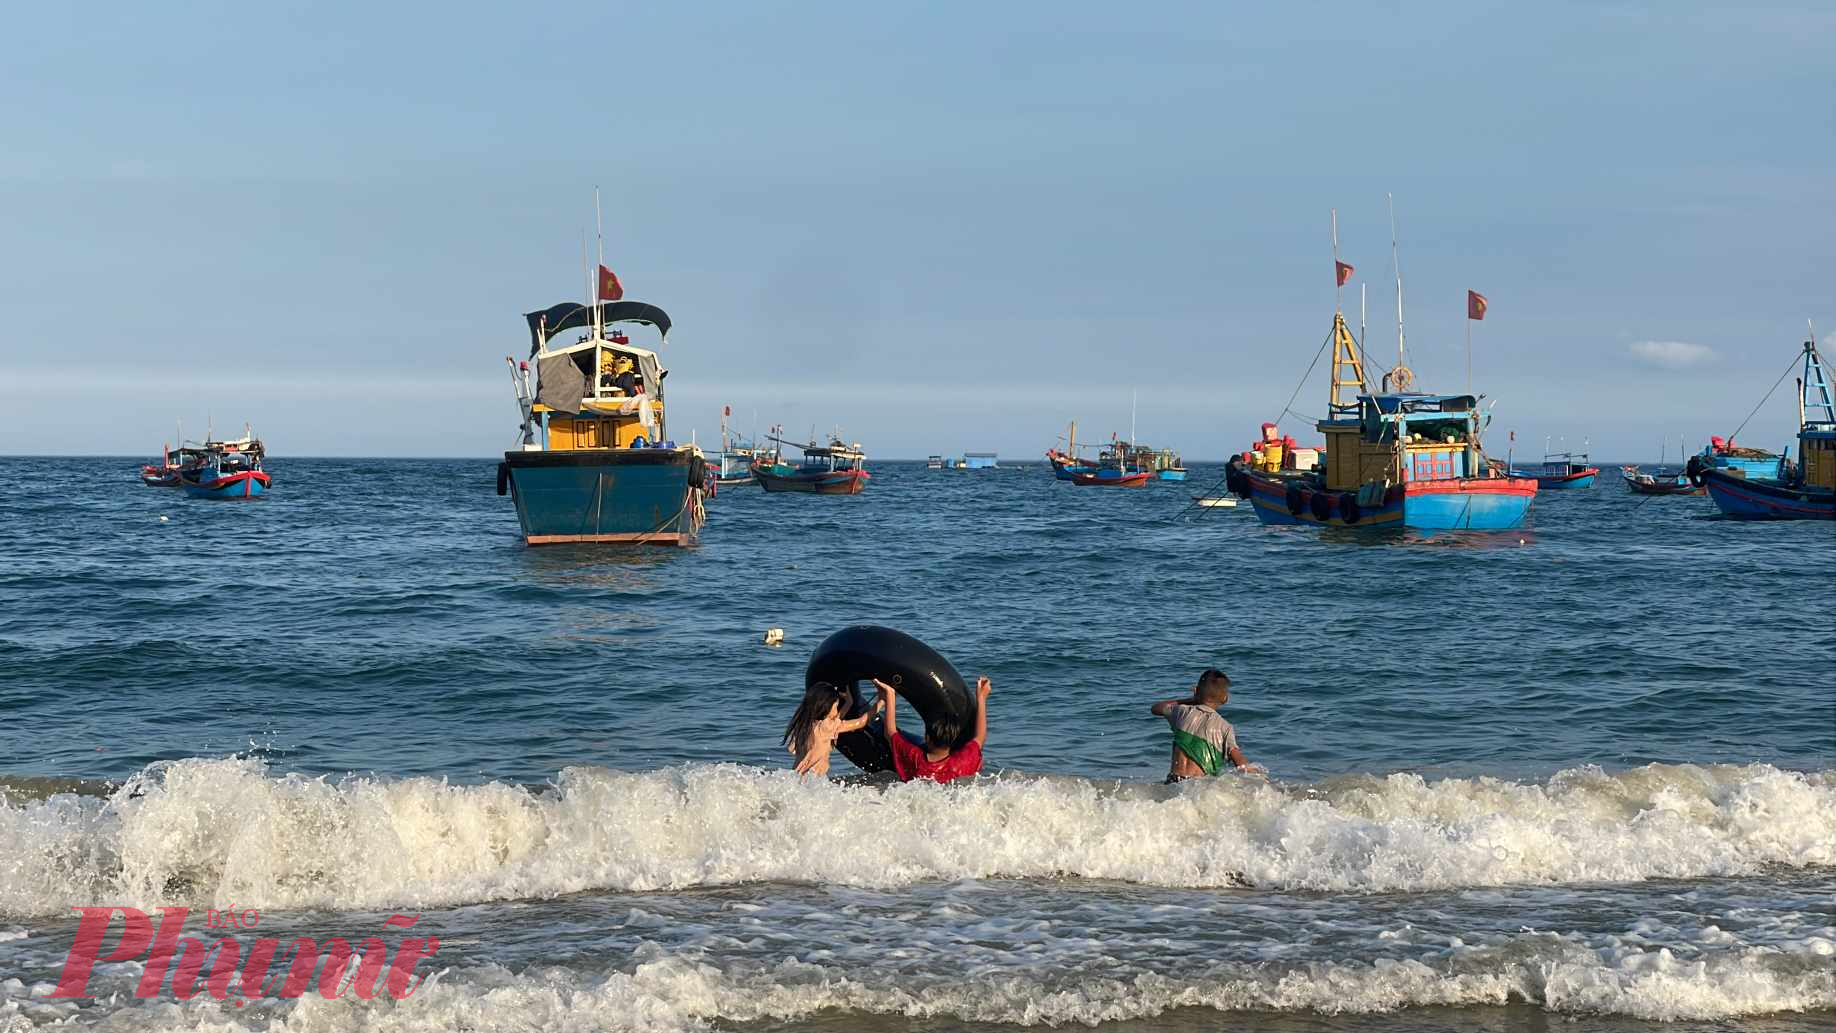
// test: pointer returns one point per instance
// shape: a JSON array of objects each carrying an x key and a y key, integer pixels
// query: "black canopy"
[{"x": 550, "y": 321}]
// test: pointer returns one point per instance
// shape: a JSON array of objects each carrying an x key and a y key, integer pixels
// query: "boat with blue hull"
[
  {"x": 1068, "y": 464},
  {"x": 227, "y": 470},
  {"x": 1806, "y": 491},
  {"x": 596, "y": 463},
  {"x": 1393, "y": 459},
  {"x": 1563, "y": 470},
  {"x": 833, "y": 469},
  {"x": 1752, "y": 464}
]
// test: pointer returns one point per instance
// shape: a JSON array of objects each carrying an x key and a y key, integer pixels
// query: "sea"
[{"x": 1576, "y": 776}]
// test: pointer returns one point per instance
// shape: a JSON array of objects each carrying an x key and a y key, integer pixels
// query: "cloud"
[{"x": 1673, "y": 354}]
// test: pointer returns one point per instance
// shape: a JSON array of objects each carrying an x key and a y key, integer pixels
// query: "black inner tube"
[{"x": 853, "y": 656}]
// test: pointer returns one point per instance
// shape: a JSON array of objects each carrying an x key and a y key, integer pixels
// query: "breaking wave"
[{"x": 227, "y": 832}]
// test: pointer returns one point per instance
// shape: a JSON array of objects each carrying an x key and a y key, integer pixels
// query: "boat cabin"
[
  {"x": 1397, "y": 438},
  {"x": 600, "y": 391},
  {"x": 835, "y": 457}
]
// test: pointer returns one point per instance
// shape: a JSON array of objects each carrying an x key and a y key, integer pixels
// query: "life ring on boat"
[
  {"x": 858, "y": 654},
  {"x": 1348, "y": 508},
  {"x": 1320, "y": 505},
  {"x": 503, "y": 478},
  {"x": 1297, "y": 500},
  {"x": 1693, "y": 470}
]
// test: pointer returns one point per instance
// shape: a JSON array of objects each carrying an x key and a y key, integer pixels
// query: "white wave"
[
  {"x": 224, "y": 833},
  {"x": 665, "y": 992}
]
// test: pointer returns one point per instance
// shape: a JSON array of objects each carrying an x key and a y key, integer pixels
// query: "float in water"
[{"x": 922, "y": 677}]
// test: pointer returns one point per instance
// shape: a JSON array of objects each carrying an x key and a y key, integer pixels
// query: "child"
[
  {"x": 1202, "y": 740},
  {"x": 813, "y": 728},
  {"x": 935, "y": 760}
]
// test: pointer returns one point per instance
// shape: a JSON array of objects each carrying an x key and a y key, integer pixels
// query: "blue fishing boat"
[
  {"x": 227, "y": 470},
  {"x": 1806, "y": 491},
  {"x": 1067, "y": 464},
  {"x": 1563, "y": 470},
  {"x": 832, "y": 469},
  {"x": 596, "y": 463},
  {"x": 1393, "y": 459},
  {"x": 1164, "y": 463}
]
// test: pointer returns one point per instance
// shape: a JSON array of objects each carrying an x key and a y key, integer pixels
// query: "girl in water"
[{"x": 813, "y": 728}]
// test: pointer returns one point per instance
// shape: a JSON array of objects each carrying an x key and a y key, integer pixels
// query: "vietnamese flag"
[
  {"x": 1343, "y": 270},
  {"x": 1475, "y": 305},
  {"x": 609, "y": 287}
]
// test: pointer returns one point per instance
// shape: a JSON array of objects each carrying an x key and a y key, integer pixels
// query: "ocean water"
[{"x": 1582, "y": 771}]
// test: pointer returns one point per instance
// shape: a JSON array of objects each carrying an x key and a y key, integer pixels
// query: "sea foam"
[{"x": 228, "y": 833}]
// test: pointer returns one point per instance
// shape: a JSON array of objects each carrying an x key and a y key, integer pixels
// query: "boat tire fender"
[
  {"x": 858, "y": 654},
  {"x": 1297, "y": 500},
  {"x": 1348, "y": 508},
  {"x": 1320, "y": 505},
  {"x": 698, "y": 472},
  {"x": 1694, "y": 470},
  {"x": 503, "y": 478}
]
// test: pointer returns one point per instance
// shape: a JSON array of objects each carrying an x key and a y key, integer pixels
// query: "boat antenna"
[
  {"x": 1396, "y": 262},
  {"x": 1362, "y": 313},
  {"x": 1133, "y": 395},
  {"x": 599, "y": 232}
]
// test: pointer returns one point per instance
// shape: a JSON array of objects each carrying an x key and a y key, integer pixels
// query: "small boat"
[
  {"x": 1067, "y": 464},
  {"x": 832, "y": 469},
  {"x": 169, "y": 471},
  {"x": 1658, "y": 482},
  {"x": 1563, "y": 470},
  {"x": 1164, "y": 463},
  {"x": 1214, "y": 501},
  {"x": 596, "y": 463},
  {"x": 227, "y": 470},
  {"x": 979, "y": 461},
  {"x": 1804, "y": 492},
  {"x": 934, "y": 463},
  {"x": 737, "y": 456}
]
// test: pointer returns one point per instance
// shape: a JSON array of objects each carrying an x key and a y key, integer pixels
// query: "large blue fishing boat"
[
  {"x": 227, "y": 470},
  {"x": 1806, "y": 491},
  {"x": 595, "y": 462}
]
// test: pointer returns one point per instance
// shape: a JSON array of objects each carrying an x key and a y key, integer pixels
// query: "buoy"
[
  {"x": 774, "y": 636},
  {"x": 163, "y": 519}
]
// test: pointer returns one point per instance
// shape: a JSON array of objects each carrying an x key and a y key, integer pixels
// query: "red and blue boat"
[
  {"x": 1805, "y": 491},
  {"x": 1066, "y": 465},
  {"x": 832, "y": 469},
  {"x": 1563, "y": 470},
  {"x": 1393, "y": 459},
  {"x": 228, "y": 470}
]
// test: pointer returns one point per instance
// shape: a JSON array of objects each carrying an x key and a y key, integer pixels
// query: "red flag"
[
  {"x": 609, "y": 287},
  {"x": 1343, "y": 270},
  {"x": 1475, "y": 305}
]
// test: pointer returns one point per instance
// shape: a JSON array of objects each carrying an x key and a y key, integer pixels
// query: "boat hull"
[
  {"x": 827, "y": 482},
  {"x": 1744, "y": 499},
  {"x": 1473, "y": 503},
  {"x": 1665, "y": 485},
  {"x": 1579, "y": 479},
  {"x": 160, "y": 477},
  {"x": 1111, "y": 479},
  {"x": 246, "y": 484},
  {"x": 640, "y": 496},
  {"x": 1171, "y": 475}
]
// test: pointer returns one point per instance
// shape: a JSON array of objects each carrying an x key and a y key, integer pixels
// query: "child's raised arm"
[
  {"x": 891, "y": 698},
  {"x": 1160, "y": 709},
  {"x": 982, "y": 688},
  {"x": 861, "y": 722}
]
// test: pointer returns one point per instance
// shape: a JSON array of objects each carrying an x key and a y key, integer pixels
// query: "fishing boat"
[
  {"x": 595, "y": 462},
  {"x": 1804, "y": 492},
  {"x": 1115, "y": 468},
  {"x": 1753, "y": 464},
  {"x": 935, "y": 463},
  {"x": 979, "y": 461},
  {"x": 1394, "y": 458},
  {"x": 1214, "y": 501},
  {"x": 1163, "y": 463},
  {"x": 227, "y": 470},
  {"x": 169, "y": 471},
  {"x": 833, "y": 469},
  {"x": 737, "y": 456},
  {"x": 1068, "y": 463},
  {"x": 1658, "y": 482},
  {"x": 1563, "y": 470}
]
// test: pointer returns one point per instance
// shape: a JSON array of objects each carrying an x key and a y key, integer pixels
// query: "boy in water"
[
  {"x": 1202, "y": 739},
  {"x": 935, "y": 760}
]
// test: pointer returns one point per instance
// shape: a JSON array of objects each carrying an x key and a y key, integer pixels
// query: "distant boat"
[
  {"x": 1067, "y": 464},
  {"x": 1110, "y": 477},
  {"x": 1214, "y": 501},
  {"x": 1658, "y": 482},
  {"x": 934, "y": 463},
  {"x": 737, "y": 455},
  {"x": 979, "y": 461},
  {"x": 1164, "y": 463},
  {"x": 832, "y": 469},
  {"x": 1563, "y": 470},
  {"x": 1807, "y": 492},
  {"x": 169, "y": 472},
  {"x": 227, "y": 470}
]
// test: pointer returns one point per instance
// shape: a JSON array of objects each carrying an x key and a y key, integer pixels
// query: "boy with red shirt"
[{"x": 935, "y": 760}]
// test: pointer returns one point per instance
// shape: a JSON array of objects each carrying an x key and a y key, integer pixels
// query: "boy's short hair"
[
  {"x": 942, "y": 733},
  {"x": 1214, "y": 686}
]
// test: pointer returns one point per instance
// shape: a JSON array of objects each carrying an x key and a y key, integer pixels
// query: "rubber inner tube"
[
  {"x": 503, "y": 478},
  {"x": 1348, "y": 508},
  {"x": 1297, "y": 500},
  {"x": 1320, "y": 505},
  {"x": 853, "y": 656}
]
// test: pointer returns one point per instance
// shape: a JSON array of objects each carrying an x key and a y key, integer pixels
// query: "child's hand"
[
  {"x": 885, "y": 689},
  {"x": 983, "y": 687},
  {"x": 1253, "y": 769},
  {"x": 879, "y": 705}
]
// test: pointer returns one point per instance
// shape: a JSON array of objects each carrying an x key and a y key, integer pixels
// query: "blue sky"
[{"x": 941, "y": 226}]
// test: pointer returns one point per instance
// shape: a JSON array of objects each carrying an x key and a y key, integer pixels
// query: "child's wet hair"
[
  {"x": 1213, "y": 686},
  {"x": 818, "y": 699},
  {"x": 942, "y": 733}
]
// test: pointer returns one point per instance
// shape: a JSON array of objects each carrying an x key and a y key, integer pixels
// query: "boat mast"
[
  {"x": 599, "y": 232},
  {"x": 1344, "y": 348},
  {"x": 1396, "y": 262},
  {"x": 1133, "y": 395}
]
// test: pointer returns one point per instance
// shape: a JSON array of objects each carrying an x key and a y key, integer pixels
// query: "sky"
[{"x": 939, "y": 227}]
